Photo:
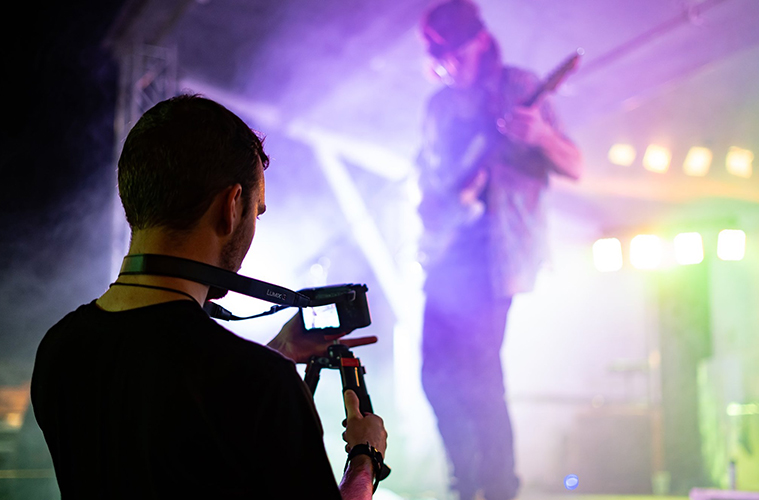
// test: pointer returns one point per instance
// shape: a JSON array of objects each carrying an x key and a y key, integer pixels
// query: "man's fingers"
[
  {"x": 352, "y": 342},
  {"x": 351, "y": 405},
  {"x": 521, "y": 111},
  {"x": 335, "y": 336}
]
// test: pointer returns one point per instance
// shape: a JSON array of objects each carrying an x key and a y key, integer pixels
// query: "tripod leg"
[{"x": 312, "y": 374}]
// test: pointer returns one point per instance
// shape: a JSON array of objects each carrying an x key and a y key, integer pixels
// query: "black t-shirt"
[{"x": 162, "y": 402}]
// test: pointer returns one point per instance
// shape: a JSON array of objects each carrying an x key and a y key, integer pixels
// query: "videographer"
[{"x": 139, "y": 393}]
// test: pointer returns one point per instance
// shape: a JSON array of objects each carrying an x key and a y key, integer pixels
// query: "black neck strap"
[{"x": 177, "y": 267}]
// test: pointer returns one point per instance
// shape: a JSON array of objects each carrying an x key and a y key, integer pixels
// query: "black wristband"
[{"x": 377, "y": 463}]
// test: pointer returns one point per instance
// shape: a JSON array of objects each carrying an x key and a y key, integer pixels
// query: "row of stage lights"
[
  {"x": 697, "y": 162},
  {"x": 647, "y": 251}
]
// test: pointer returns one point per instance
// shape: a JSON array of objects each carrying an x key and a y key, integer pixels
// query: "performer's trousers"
[{"x": 464, "y": 329}]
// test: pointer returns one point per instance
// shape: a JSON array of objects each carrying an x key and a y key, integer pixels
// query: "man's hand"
[
  {"x": 362, "y": 429},
  {"x": 294, "y": 342},
  {"x": 525, "y": 126},
  {"x": 470, "y": 194}
]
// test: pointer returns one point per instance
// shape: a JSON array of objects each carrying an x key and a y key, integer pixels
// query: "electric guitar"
[{"x": 467, "y": 189}]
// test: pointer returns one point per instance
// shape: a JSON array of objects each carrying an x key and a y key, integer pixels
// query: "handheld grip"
[{"x": 352, "y": 375}]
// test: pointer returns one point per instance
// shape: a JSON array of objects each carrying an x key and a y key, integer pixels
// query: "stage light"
[
  {"x": 689, "y": 248},
  {"x": 571, "y": 482},
  {"x": 738, "y": 409},
  {"x": 645, "y": 251},
  {"x": 731, "y": 244},
  {"x": 622, "y": 154},
  {"x": 657, "y": 158},
  {"x": 739, "y": 161},
  {"x": 697, "y": 161},
  {"x": 607, "y": 254}
]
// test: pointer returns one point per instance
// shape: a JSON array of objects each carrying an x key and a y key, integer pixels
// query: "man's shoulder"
[
  {"x": 440, "y": 96},
  {"x": 180, "y": 326},
  {"x": 233, "y": 347},
  {"x": 69, "y": 322},
  {"x": 219, "y": 342},
  {"x": 512, "y": 77}
]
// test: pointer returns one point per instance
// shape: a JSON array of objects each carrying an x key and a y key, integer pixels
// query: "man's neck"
[
  {"x": 490, "y": 77},
  {"x": 134, "y": 291}
]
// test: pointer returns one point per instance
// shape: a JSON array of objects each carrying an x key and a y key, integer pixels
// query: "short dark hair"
[{"x": 181, "y": 153}]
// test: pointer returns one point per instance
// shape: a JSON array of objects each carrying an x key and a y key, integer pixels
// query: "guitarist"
[{"x": 483, "y": 168}]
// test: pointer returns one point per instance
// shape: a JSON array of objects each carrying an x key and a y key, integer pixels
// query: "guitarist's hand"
[
  {"x": 525, "y": 126},
  {"x": 470, "y": 194}
]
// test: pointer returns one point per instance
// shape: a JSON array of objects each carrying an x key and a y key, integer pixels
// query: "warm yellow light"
[
  {"x": 645, "y": 251},
  {"x": 697, "y": 161},
  {"x": 622, "y": 154},
  {"x": 14, "y": 420},
  {"x": 607, "y": 254},
  {"x": 731, "y": 244},
  {"x": 739, "y": 162},
  {"x": 657, "y": 158},
  {"x": 689, "y": 248}
]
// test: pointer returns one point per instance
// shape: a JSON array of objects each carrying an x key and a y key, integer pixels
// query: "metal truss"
[{"x": 148, "y": 75}]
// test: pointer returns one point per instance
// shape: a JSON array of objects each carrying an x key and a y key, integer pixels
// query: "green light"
[
  {"x": 645, "y": 251},
  {"x": 731, "y": 244},
  {"x": 737, "y": 409},
  {"x": 689, "y": 248},
  {"x": 607, "y": 254}
]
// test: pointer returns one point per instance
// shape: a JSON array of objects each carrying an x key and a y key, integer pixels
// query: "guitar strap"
[{"x": 495, "y": 107}]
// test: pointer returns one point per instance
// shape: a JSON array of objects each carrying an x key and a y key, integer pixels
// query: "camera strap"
[{"x": 200, "y": 272}]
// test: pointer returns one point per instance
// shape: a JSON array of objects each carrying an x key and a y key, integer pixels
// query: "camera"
[{"x": 336, "y": 308}]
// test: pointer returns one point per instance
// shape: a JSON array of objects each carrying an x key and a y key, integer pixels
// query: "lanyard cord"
[{"x": 165, "y": 289}]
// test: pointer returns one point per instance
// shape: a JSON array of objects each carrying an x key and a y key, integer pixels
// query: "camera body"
[{"x": 336, "y": 308}]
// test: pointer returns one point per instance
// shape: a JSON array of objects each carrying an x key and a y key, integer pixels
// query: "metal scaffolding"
[{"x": 148, "y": 75}]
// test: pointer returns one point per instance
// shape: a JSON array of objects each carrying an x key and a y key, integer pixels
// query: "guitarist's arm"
[{"x": 529, "y": 127}]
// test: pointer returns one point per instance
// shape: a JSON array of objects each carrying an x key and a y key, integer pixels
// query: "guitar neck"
[
  {"x": 536, "y": 96},
  {"x": 554, "y": 80}
]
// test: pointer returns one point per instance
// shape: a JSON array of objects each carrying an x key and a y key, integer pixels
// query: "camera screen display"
[{"x": 321, "y": 317}]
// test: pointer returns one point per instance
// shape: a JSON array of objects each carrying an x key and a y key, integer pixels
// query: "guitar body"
[{"x": 455, "y": 184}]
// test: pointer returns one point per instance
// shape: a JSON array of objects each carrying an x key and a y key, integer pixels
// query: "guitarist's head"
[{"x": 463, "y": 52}]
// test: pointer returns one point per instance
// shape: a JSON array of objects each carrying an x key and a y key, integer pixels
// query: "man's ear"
[{"x": 231, "y": 209}]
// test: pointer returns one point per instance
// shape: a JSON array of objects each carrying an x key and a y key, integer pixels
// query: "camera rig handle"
[
  {"x": 352, "y": 372},
  {"x": 339, "y": 357}
]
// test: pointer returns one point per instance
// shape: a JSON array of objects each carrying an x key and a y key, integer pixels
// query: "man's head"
[
  {"x": 179, "y": 156},
  {"x": 190, "y": 163},
  {"x": 464, "y": 52}
]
